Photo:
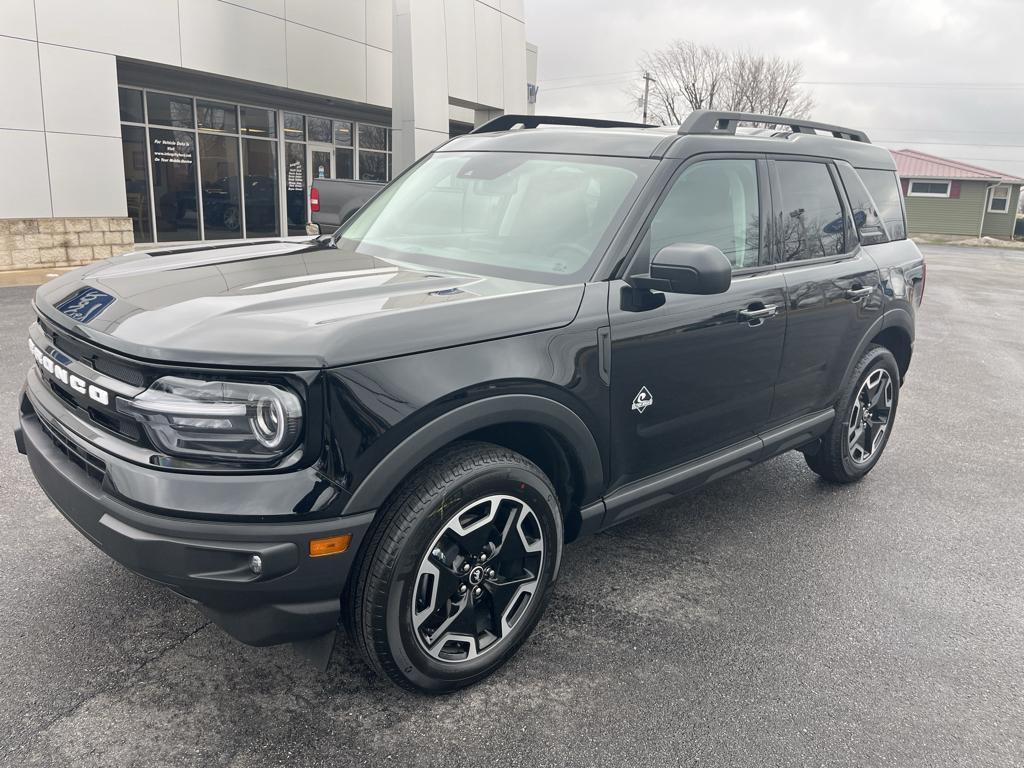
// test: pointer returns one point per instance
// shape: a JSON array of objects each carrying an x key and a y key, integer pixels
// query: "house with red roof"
[{"x": 948, "y": 197}]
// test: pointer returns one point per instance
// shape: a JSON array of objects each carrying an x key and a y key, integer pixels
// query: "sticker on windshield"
[{"x": 643, "y": 400}]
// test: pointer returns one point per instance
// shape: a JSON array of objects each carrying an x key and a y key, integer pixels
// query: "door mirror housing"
[{"x": 691, "y": 268}]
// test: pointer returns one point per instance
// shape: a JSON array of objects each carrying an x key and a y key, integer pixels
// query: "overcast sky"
[{"x": 589, "y": 50}]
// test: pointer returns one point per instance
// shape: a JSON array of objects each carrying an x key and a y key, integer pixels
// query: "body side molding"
[{"x": 634, "y": 498}]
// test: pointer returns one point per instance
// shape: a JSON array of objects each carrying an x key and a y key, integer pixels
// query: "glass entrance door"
[{"x": 321, "y": 161}]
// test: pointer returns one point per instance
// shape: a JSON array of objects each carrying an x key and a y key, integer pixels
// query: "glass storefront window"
[
  {"x": 295, "y": 187},
  {"x": 165, "y": 109},
  {"x": 220, "y": 185},
  {"x": 373, "y": 166},
  {"x": 374, "y": 137},
  {"x": 294, "y": 127},
  {"x": 344, "y": 167},
  {"x": 319, "y": 129},
  {"x": 213, "y": 116},
  {"x": 198, "y": 167},
  {"x": 343, "y": 133},
  {"x": 259, "y": 122},
  {"x": 173, "y": 155},
  {"x": 259, "y": 160},
  {"x": 130, "y": 102},
  {"x": 136, "y": 180}
]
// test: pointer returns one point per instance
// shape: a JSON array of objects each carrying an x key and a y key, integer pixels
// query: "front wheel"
[
  {"x": 863, "y": 422},
  {"x": 459, "y": 568}
]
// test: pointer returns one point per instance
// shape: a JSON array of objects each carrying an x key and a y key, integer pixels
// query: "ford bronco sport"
[{"x": 533, "y": 334}]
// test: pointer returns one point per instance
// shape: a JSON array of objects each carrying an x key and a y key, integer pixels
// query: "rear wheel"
[
  {"x": 863, "y": 422},
  {"x": 457, "y": 573}
]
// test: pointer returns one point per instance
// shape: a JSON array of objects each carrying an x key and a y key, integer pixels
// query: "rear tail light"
[{"x": 314, "y": 200}]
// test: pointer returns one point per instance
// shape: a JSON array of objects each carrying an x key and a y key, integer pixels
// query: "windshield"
[{"x": 543, "y": 218}]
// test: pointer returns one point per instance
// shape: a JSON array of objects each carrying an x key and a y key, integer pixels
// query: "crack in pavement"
[{"x": 129, "y": 678}]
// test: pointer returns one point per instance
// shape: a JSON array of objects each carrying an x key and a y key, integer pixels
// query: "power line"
[
  {"x": 918, "y": 84},
  {"x": 597, "y": 84},
  {"x": 950, "y": 143},
  {"x": 582, "y": 77}
]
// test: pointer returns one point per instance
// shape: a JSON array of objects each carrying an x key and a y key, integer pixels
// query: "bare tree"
[
  {"x": 691, "y": 76},
  {"x": 687, "y": 77}
]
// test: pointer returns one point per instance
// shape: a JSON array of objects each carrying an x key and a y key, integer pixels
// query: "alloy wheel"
[
  {"x": 869, "y": 417},
  {"x": 477, "y": 578}
]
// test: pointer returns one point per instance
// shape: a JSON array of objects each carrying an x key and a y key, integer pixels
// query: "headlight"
[{"x": 218, "y": 420}]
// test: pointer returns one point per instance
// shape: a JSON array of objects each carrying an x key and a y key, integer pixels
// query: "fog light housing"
[{"x": 256, "y": 564}]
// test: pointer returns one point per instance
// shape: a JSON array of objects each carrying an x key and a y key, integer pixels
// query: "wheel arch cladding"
[
  {"x": 897, "y": 340},
  {"x": 545, "y": 431}
]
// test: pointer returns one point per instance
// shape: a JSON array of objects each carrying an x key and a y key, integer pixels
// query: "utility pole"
[{"x": 647, "y": 92}]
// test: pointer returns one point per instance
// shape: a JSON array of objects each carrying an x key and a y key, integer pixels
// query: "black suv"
[{"x": 533, "y": 334}]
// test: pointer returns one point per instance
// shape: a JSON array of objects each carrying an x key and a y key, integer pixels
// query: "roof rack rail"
[
  {"x": 508, "y": 122},
  {"x": 710, "y": 122}
]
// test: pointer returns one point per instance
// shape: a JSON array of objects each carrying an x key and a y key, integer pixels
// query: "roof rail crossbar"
[
  {"x": 508, "y": 122},
  {"x": 710, "y": 122}
]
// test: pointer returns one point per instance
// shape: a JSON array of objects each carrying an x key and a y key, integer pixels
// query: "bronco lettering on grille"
[{"x": 68, "y": 379}]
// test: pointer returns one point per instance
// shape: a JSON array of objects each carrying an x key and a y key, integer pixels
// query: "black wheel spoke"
[{"x": 503, "y": 592}]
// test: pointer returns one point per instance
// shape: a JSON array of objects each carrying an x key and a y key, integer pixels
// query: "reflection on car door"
[
  {"x": 694, "y": 374},
  {"x": 832, "y": 286}
]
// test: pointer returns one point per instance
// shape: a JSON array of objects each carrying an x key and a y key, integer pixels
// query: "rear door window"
[
  {"x": 812, "y": 224},
  {"x": 885, "y": 191}
]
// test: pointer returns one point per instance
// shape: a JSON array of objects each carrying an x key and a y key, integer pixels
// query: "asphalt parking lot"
[{"x": 769, "y": 620}]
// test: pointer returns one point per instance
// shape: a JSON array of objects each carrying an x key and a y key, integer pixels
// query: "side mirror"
[{"x": 690, "y": 268}]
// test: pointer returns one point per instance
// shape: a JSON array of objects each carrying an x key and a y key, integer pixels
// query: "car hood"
[{"x": 287, "y": 304}]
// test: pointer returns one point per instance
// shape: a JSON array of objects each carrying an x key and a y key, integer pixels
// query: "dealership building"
[{"x": 172, "y": 121}]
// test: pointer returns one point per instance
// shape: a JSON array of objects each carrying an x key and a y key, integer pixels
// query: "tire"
[
  {"x": 404, "y": 608},
  {"x": 842, "y": 457}
]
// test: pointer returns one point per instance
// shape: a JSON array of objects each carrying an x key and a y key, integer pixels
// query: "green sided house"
[{"x": 947, "y": 197}]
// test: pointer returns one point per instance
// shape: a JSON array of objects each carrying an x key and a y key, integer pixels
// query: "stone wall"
[{"x": 36, "y": 243}]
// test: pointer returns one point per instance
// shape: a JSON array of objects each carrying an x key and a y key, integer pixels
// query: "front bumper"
[{"x": 295, "y": 597}]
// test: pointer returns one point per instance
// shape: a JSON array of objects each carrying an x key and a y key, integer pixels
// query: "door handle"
[
  {"x": 856, "y": 294},
  {"x": 756, "y": 314}
]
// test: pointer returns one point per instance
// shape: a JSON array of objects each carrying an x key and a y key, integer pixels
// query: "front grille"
[
  {"x": 103, "y": 362},
  {"x": 104, "y": 417},
  {"x": 119, "y": 371},
  {"x": 95, "y": 468}
]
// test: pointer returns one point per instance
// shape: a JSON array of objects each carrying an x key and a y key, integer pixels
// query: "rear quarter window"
[
  {"x": 885, "y": 190},
  {"x": 865, "y": 211}
]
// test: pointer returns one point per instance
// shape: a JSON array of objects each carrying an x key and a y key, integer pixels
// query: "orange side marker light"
[{"x": 333, "y": 545}]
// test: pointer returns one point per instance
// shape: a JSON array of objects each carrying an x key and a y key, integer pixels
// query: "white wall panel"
[
  {"x": 86, "y": 175},
  {"x": 227, "y": 40},
  {"x": 514, "y": 8},
  {"x": 21, "y": 103},
  {"x": 460, "y": 33},
  {"x": 346, "y": 18},
  {"x": 79, "y": 91},
  {"x": 18, "y": 18},
  {"x": 378, "y": 77},
  {"x": 379, "y": 21},
  {"x": 147, "y": 31},
  {"x": 25, "y": 191},
  {"x": 513, "y": 64},
  {"x": 488, "y": 56},
  {"x": 272, "y": 7},
  {"x": 322, "y": 63},
  {"x": 429, "y": 65}
]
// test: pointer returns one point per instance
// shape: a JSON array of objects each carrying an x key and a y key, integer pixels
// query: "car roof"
[{"x": 666, "y": 142}]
